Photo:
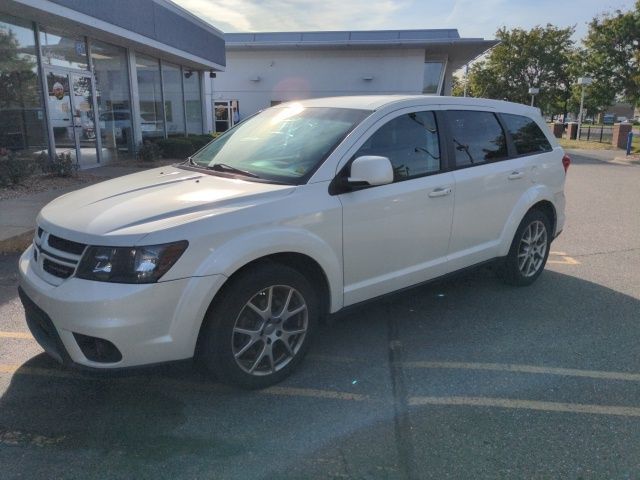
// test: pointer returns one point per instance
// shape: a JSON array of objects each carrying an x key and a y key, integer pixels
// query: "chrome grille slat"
[{"x": 57, "y": 257}]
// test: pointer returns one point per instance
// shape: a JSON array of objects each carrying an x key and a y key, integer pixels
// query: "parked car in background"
[{"x": 234, "y": 256}]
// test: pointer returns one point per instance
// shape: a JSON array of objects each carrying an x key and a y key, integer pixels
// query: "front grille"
[
  {"x": 57, "y": 269},
  {"x": 56, "y": 256},
  {"x": 67, "y": 246}
]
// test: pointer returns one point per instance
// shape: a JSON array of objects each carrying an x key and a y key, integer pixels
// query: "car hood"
[{"x": 128, "y": 208}]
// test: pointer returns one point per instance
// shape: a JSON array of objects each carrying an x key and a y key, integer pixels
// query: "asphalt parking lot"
[{"x": 466, "y": 378}]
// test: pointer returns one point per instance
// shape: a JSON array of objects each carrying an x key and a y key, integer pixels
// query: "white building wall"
[{"x": 257, "y": 77}]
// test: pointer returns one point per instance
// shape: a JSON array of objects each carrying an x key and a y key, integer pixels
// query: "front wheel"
[
  {"x": 260, "y": 329},
  {"x": 529, "y": 250}
]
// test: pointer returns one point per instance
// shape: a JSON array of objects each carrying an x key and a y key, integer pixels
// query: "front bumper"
[{"x": 150, "y": 323}]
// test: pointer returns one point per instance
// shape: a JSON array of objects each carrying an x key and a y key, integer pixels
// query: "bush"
[
  {"x": 15, "y": 170},
  {"x": 148, "y": 152},
  {"x": 62, "y": 165},
  {"x": 180, "y": 147}
]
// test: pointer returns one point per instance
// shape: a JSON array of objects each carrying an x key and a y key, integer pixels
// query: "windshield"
[{"x": 283, "y": 144}]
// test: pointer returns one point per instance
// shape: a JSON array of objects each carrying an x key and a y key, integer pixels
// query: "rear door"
[{"x": 489, "y": 181}]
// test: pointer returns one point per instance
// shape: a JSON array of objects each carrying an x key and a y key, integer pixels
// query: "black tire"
[
  {"x": 221, "y": 339},
  {"x": 511, "y": 269}
]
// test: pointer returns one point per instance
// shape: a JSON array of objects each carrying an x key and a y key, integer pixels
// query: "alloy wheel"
[
  {"x": 532, "y": 249},
  {"x": 270, "y": 330}
]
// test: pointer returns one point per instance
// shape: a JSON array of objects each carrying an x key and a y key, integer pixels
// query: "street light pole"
[
  {"x": 582, "y": 81},
  {"x": 533, "y": 91}
]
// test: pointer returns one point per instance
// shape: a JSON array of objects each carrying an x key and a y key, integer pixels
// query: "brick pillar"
[
  {"x": 572, "y": 131},
  {"x": 620, "y": 133},
  {"x": 558, "y": 130}
]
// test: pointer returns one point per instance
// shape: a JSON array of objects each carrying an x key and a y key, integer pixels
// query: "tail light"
[{"x": 566, "y": 161}]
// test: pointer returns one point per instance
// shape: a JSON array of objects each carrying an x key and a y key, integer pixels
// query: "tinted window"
[
  {"x": 410, "y": 142},
  {"x": 477, "y": 137},
  {"x": 526, "y": 134}
]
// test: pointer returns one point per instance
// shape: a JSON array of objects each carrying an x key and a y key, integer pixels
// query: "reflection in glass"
[
  {"x": 432, "y": 77},
  {"x": 150, "y": 94},
  {"x": 173, "y": 100},
  {"x": 63, "y": 51},
  {"x": 84, "y": 118},
  {"x": 22, "y": 119},
  {"x": 526, "y": 134},
  {"x": 193, "y": 103},
  {"x": 477, "y": 137},
  {"x": 114, "y": 107}
]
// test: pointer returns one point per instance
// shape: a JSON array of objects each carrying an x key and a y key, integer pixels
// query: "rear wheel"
[
  {"x": 529, "y": 250},
  {"x": 260, "y": 328}
]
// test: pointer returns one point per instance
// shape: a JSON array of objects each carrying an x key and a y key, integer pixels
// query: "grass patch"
[{"x": 584, "y": 145}]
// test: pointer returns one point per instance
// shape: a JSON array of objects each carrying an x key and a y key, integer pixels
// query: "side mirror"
[{"x": 371, "y": 170}]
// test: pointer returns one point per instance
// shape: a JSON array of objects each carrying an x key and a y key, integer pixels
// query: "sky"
[{"x": 472, "y": 18}]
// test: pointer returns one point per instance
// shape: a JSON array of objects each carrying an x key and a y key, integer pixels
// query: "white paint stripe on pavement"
[
  {"x": 502, "y": 367},
  {"x": 527, "y": 405}
]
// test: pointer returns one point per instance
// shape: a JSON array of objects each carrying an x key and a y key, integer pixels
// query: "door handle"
[
  {"x": 516, "y": 175},
  {"x": 440, "y": 192}
]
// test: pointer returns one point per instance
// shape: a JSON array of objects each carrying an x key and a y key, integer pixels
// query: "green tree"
[
  {"x": 612, "y": 56},
  {"x": 539, "y": 57}
]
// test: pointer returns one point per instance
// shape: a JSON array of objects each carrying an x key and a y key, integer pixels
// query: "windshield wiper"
[{"x": 223, "y": 167}]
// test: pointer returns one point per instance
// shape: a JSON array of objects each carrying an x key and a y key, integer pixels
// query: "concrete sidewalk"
[{"x": 18, "y": 215}]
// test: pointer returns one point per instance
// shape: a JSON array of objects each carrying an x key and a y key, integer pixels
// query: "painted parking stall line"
[
  {"x": 534, "y": 369},
  {"x": 11, "y": 369},
  {"x": 18, "y": 335},
  {"x": 526, "y": 405},
  {"x": 561, "y": 258}
]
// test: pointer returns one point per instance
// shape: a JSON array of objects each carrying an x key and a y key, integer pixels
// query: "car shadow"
[{"x": 173, "y": 421}]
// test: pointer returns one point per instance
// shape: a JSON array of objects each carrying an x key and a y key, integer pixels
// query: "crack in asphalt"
[{"x": 402, "y": 424}]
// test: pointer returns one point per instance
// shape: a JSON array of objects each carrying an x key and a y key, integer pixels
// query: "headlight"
[{"x": 129, "y": 264}]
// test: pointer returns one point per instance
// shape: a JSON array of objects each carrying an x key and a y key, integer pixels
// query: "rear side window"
[
  {"x": 477, "y": 137},
  {"x": 411, "y": 144},
  {"x": 526, "y": 134}
]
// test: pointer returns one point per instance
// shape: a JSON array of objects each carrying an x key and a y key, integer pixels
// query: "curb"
[{"x": 17, "y": 243}]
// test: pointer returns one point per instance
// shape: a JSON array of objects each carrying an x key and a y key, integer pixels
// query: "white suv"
[{"x": 295, "y": 213}]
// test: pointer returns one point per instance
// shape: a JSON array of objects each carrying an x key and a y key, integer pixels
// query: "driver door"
[{"x": 397, "y": 235}]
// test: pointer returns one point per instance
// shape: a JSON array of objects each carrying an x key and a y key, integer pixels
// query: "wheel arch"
[
  {"x": 537, "y": 198},
  {"x": 300, "y": 262}
]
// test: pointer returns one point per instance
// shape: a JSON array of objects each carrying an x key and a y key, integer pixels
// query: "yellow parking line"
[
  {"x": 312, "y": 392},
  {"x": 527, "y": 405},
  {"x": 25, "y": 335},
  {"x": 502, "y": 367},
  {"x": 159, "y": 381},
  {"x": 566, "y": 260}
]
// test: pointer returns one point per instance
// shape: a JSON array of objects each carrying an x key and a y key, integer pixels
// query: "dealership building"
[
  {"x": 264, "y": 69},
  {"x": 98, "y": 79}
]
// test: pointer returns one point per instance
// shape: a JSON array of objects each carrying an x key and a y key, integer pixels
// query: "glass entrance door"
[
  {"x": 226, "y": 114},
  {"x": 70, "y": 101}
]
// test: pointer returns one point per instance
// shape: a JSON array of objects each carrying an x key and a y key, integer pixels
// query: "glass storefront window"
[
  {"x": 22, "y": 119},
  {"x": 432, "y": 77},
  {"x": 60, "y": 50},
  {"x": 173, "y": 99},
  {"x": 193, "y": 103},
  {"x": 150, "y": 94},
  {"x": 113, "y": 98}
]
